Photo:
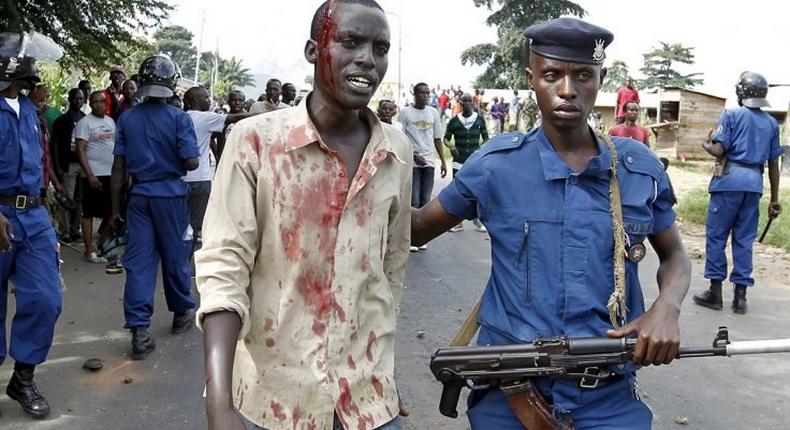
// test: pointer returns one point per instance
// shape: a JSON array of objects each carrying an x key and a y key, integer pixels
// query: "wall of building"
[{"x": 698, "y": 114}]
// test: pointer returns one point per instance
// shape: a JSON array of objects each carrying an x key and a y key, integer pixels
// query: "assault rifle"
[{"x": 588, "y": 360}]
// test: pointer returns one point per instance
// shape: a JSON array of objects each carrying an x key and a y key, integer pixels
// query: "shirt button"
[
  {"x": 629, "y": 160},
  {"x": 515, "y": 139},
  {"x": 574, "y": 180}
]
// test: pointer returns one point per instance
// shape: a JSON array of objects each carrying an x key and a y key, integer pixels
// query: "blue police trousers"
[
  {"x": 737, "y": 214},
  {"x": 157, "y": 228},
  {"x": 32, "y": 266}
]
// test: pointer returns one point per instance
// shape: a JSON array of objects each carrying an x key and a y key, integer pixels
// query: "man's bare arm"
[
  {"x": 220, "y": 334},
  {"x": 117, "y": 180},
  {"x": 429, "y": 222},
  {"x": 713, "y": 148},
  {"x": 657, "y": 329},
  {"x": 236, "y": 117}
]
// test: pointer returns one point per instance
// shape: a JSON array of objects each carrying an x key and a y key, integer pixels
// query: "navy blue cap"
[{"x": 569, "y": 39}]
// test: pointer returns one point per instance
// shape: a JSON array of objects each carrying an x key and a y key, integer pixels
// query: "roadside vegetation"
[{"x": 693, "y": 207}]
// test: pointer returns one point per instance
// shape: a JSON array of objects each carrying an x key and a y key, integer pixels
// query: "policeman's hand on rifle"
[
  {"x": 658, "y": 335},
  {"x": 774, "y": 209},
  {"x": 6, "y": 234}
]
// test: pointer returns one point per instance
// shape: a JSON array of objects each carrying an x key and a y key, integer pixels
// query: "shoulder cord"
[{"x": 618, "y": 310}]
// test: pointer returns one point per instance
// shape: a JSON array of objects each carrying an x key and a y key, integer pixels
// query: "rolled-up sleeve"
[
  {"x": 723, "y": 133},
  {"x": 461, "y": 198},
  {"x": 187, "y": 139},
  {"x": 224, "y": 265},
  {"x": 663, "y": 211},
  {"x": 399, "y": 229}
]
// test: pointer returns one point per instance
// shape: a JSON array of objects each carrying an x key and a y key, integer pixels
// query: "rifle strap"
[
  {"x": 531, "y": 409},
  {"x": 618, "y": 309},
  {"x": 469, "y": 327}
]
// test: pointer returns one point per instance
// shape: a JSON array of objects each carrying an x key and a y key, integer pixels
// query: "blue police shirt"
[
  {"x": 551, "y": 231},
  {"x": 156, "y": 138},
  {"x": 20, "y": 167},
  {"x": 750, "y": 137},
  {"x": 20, "y": 149},
  {"x": 551, "y": 236}
]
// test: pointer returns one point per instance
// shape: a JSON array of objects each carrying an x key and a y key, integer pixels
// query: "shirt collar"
[
  {"x": 304, "y": 132},
  {"x": 555, "y": 168}
]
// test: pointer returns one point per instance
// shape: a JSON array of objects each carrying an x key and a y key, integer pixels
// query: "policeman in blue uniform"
[
  {"x": 545, "y": 198},
  {"x": 745, "y": 139},
  {"x": 156, "y": 146},
  {"x": 28, "y": 247}
]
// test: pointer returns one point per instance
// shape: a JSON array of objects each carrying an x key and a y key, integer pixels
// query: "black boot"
[
  {"x": 739, "y": 300},
  {"x": 142, "y": 343},
  {"x": 183, "y": 321},
  {"x": 23, "y": 389},
  {"x": 710, "y": 298}
]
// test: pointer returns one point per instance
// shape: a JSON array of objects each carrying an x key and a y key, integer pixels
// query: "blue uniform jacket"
[
  {"x": 750, "y": 137},
  {"x": 551, "y": 231},
  {"x": 156, "y": 138}
]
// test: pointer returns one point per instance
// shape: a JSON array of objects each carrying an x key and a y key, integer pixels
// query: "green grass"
[{"x": 694, "y": 208}]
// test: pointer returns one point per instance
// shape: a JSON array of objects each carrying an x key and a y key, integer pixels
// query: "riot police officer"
[
  {"x": 745, "y": 139},
  {"x": 156, "y": 145},
  {"x": 28, "y": 247}
]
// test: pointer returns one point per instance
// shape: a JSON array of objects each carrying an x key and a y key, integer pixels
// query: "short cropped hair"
[{"x": 323, "y": 12}]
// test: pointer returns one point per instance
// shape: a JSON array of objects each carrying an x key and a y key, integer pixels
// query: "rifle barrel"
[{"x": 758, "y": 347}]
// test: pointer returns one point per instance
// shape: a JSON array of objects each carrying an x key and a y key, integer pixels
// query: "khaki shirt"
[{"x": 313, "y": 267}]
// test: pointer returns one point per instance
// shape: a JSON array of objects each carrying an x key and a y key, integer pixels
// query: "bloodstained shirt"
[{"x": 313, "y": 266}]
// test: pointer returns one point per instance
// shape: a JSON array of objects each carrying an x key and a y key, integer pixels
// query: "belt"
[
  {"x": 739, "y": 164},
  {"x": 21, "y": 202}
]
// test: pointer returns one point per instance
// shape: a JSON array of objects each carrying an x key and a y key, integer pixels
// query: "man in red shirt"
[
  {"x": 444, "y": 100},
  {"x": 630, "y": 129},
  {"x": 625, "y": 95},
  {"x": 114, "y": 93}
]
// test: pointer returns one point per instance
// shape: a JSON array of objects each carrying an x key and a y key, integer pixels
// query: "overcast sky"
[{"x": 728, "y": 37}]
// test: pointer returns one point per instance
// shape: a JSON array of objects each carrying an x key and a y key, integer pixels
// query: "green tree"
[
  {"x": 616, "y": 74},
  {"x": 176, "y": 41},
  {"x": 659, "y": 68},
  {"x": 234, "y": 72},
  {"x": 88, "y": 31},
  {"x": 504, "y": 61}
]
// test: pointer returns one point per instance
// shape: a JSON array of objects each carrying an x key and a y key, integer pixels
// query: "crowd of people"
[{"x": 300, "y": 216}]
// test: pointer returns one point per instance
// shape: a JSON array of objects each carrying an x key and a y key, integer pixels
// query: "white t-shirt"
[
  {"x": 205, "y": 123},
  {"x": 99, "y": 133},
  {"x": 14, "y": 103},
  {"x": 422, "y": 126}
]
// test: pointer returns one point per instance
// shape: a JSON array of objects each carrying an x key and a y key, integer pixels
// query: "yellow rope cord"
[{"x": 618, "y": 310}]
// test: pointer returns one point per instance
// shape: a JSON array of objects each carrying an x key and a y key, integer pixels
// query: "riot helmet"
[
  {"x": 18, "y": 54},
  {"x": 751, "y": 89},
  {"x": 157, "y": 77}
]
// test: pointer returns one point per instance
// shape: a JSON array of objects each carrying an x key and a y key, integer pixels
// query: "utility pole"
[
  {"x": 400, "y": 51},
  {"x": 200, "y": 46}
]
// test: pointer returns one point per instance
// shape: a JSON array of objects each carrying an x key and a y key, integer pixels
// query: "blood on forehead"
[{"x": 328, "y": 30}]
